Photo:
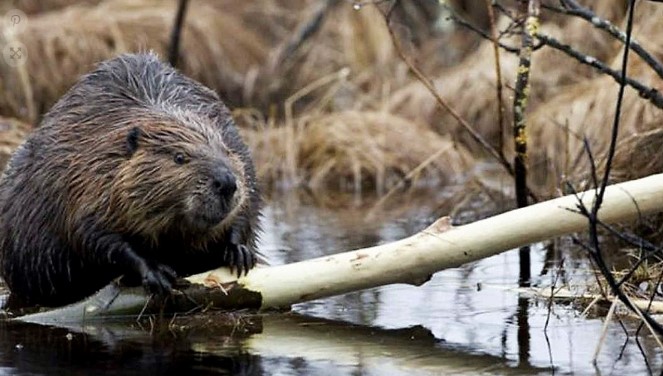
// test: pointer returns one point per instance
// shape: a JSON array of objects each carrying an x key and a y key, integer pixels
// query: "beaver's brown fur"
[{"x": 136, "y": 171}]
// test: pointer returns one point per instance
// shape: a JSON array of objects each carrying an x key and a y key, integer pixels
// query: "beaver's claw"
[
  {"x": 240, "y": 258},
  {"x": 158, "y": 279}
]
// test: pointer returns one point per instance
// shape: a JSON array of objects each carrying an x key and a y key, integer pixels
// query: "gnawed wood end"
[
  {"x": 441, "y": 225},
  {"x": 114, "y": 301},
  {"x": 218, "y": 278},
  {"x": 214, "y": 280}
]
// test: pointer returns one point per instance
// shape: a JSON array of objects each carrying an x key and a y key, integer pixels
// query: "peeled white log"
[{"x": 412, "y": 260}]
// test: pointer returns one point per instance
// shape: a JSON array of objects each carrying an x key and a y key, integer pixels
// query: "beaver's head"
[{"x": 177, "y": 175}]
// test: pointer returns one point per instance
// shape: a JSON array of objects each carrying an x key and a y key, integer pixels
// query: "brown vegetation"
[
  {"x": 354, "y": 149},
  {"x": 12, "y": 133},
  {"x": 349, "y": 142},
  {"x": 586, "y": 111},
  {"x": 342, "y": 109},
  {"x": 66, "y": 43},
  {"x": 38, "y": 6},
  {"x": 471, "y": 85}
]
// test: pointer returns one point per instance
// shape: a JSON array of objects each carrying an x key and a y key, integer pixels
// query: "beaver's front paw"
[
  {"x": 158, "y": 279},
  {"x": 240, "y": 258}
]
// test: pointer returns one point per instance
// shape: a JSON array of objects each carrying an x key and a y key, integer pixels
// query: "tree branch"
[
  {"x": 571, "y": 7},
  {"x": 176, "y": 33},
  {"x": 649, "y": 93},
  {"x": 593, "y": 215},
  {"x": 520, "y": 98},
  {"x": 498, "y": 76}
]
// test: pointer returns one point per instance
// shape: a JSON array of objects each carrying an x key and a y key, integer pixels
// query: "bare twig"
[
  {"x": 604, "y": 330},
  {"x": 483, "y": 34},
  {"x": 498, "y": 76},
  {"x": 571, "y": 7},
  {"x": 303, "y": 32},
  {"x": 502, "y": 9},
  {"x": 175, "y": 35},
  {"x": 643, "y": 323},
  {"x": 649, "y": 248},
  {"x": 552, "y": 295},
  {"x": 618, "y": 112},
  {"x": 649, "y": 93},
  {"x": 592, "y": 216},
  {"x": 498, "y": 156},
  {"x": 646, "y": 92}
]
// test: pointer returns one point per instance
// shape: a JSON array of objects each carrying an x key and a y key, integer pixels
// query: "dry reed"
[
  {"x": 64, "y": 44},
  {"x": 586, "y": 110},
  {"x": 352, "y": 150},
  {"x": 225, "y": 45},
  {"x": 12, "y": 133},
  {"x": 39, "y": 6},
  {"x": 470, "y": 85}
]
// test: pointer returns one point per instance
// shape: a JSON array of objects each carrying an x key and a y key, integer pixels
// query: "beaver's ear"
[{"x": 132, "y": 140}]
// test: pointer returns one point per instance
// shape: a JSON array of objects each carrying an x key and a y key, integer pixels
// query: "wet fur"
[{"x": 94, "y": 192}]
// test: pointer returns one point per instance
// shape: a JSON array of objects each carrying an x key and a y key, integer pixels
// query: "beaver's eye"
[{"x": 180, "y": 158}]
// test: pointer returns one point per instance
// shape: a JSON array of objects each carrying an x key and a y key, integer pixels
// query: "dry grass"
[
  {"x": 344, "y": 140},
  {"x": 360, "y": 42},
  {"x": 225, "y": 45},
  {"x": 64, "y": 44},
  {"x": 357, "y": 41},
  {"x": 586, "y": 110},
  {"x": 641, "y": 150},
  {"x": 471, "y": 88},
  {"x": 12, "y": 133},
  {"x": 335, "y": 132},
  {"x": 471, "y": 85},
  {"x": 39, "y": 6},
  {"x": 352, "y": 150}
]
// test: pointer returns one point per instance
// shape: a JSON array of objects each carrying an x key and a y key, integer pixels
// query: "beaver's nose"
[{"x": 224, "y": 182}]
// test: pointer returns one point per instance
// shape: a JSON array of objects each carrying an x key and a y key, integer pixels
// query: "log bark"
[{"x": 411, "y": 260}]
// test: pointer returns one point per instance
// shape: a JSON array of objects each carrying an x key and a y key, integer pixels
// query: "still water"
[{"x": 468, "y": 321}]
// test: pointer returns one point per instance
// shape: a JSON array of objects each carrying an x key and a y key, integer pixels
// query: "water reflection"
[
  {"x": 114, "y": 350},
  {"x": 280, "y": 344},
  {"x": 522, "y": 313}
]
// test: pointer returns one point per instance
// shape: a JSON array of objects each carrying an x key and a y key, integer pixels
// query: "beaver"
[{"x": 137, "y": 171}]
